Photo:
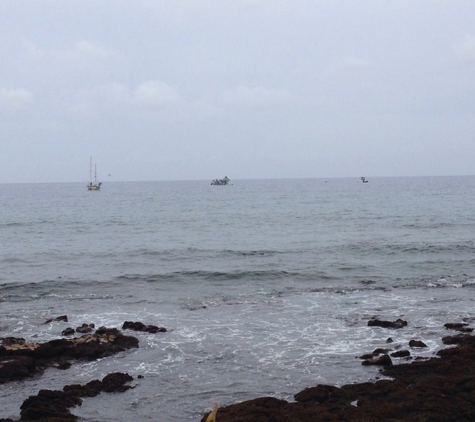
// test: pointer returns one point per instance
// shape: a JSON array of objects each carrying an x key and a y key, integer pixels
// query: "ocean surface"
[{"x": 265, "y": 286}]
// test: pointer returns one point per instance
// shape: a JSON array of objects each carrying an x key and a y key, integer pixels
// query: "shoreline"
[{"x": 437, "y": 389}]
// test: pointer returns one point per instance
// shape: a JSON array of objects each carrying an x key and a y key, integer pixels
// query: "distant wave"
[
  {"x": 196, "y": 251},
  {"x": 15, "y": 224},
  {"x": 442, "y": 281},
  {"x": 411, "y": 247},
  {"x": 193, "y": 276}
]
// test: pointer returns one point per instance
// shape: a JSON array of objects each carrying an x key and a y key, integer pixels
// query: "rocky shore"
[
  {"x": 439, "y": 389},
  {"x": 20, "y": 360}
]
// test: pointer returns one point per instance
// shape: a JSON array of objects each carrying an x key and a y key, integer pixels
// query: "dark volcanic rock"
[
  {"x": 20, "y": 360},
  {"x": 380, "y": 351},
  {"x": 140, "y": 326},
  {"x": 85, "y": 328},
  {"x": 116, "y": 382},
  {"x": 68, "y": 331},
  {"x": 49, "y": 404},
  {"x": 417, "y": 343},
  {"x": 383, "y": 360},
  {"x": 460, "y": 339},
  {"x": 401, "y": 354},
  {"x": 16, "y": 369},
  {"x": 10, "y": 341},
  {"x": 53, "y": 405},
  {"x": 439, "y": 389},
  {"x": 458, "y": 326},
  {"x": 62, "y": 318},
  {"x": 399, "y": 323}
]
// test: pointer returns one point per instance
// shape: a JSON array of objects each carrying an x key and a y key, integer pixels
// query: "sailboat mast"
[
  {"x": 95, "y": 174},
  {"x": 90, "y": 169}
]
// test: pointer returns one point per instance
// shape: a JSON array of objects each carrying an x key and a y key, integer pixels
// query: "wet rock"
[
  {"x": 63, "y": 364},
  {"x": 116, "y": 382},
  {"x": 20, "y": 360},
  {"x": 49, "y": 404},
  {"x": 401, "y": 354},
  {"x": 17, "y": 369},
  {"x": 417, "y": 343},
  {"x": 318, "y": 394},
  {"x": 62, "y": 318},
  {"x": 399, "y": 323},
  {"x": 380, "y": 351},
  {"x": 140, "y": 326},
  {"x": 85, "y": 328},
  {"x": 374, "y": 353},
  {"x": 367, "y": 356},
  {"x": 10, "y": 341},
  {"x": 458, "y": 326},
  {"x": 460, "y": 339},
  {"x": 68, "y": 331},
  {"x": 383, "y": 360},
  {"x": 54, "y": 405},
  {"x": 439, "y": 389}
]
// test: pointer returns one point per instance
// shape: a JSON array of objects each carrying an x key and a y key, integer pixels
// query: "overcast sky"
[{"x": 200, "y": 89}]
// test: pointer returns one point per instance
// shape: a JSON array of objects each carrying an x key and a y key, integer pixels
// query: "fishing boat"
[
  {"x": 95, "y": 185},
  {"x": 363, "y": 180},
  {"x": 221, "y": 182}
]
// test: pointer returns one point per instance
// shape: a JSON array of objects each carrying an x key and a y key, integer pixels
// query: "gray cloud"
[{"x": 256, "y": 88}]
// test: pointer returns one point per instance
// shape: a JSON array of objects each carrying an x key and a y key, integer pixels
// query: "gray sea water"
[{"x": 265, "y": 286}]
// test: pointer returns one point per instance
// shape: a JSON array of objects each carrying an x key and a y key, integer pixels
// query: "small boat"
[
  {"x": 221, "y": 182},
  {"x": 95, "y": 185},
  {"x": 363, "y": 179}
]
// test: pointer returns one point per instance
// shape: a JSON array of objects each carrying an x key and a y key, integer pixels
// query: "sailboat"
[{"x": 95, "y": 185}]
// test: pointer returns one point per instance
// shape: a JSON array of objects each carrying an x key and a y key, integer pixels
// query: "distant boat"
[
  {"x": 95, "y": 185},
  {"x": 363, "y": 179},
  {"x": 221, "y": 182}
]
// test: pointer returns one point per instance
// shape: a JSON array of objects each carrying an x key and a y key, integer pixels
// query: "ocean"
[{"x": 265, "y": 287}]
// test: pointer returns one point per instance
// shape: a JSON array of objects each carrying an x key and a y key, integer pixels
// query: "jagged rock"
[
  {"x": 399, "y": 323},
  {"x": 367, "y": 356},
  {"x": 10, "y": 341},
  {"x": 116, "y": 382},
  {"x": 458, "y": 326},
  {"x": 417, "y": 343},
  {"x": 401, "y": 354},
  {"x": 140, "y": 326},
  {"x": 383, "y": 360},
  {"x": 49, "y": 404},
  {"x": 19, "y": 359},
  {"x": 437, "y": 390},
  {"x": 62, "y": 318},
  {"x": 67, "y": 332},
  {"x": 53, "y": 405},
  {"x": 460, "y": 339},
  {"x": 318, "y": 394},
  {"x": 17, "y": 368},
  {"x": 85, "y": 328},
  {"x": 380, "y": 351}
]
